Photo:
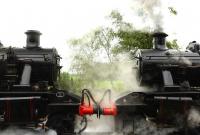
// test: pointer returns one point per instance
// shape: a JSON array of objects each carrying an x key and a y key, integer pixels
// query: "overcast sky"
[{"x": 60, "y": 20}]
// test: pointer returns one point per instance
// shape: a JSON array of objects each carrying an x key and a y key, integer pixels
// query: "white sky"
[{"x": 60, "y": 20}]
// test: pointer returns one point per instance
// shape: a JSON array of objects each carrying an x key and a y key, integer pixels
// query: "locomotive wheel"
[{"x": 60, "y": 124}]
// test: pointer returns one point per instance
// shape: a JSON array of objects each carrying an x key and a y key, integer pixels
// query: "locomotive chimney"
[
  {"x": 33, "y": 39},
  {"x": 159, "y": 40}
]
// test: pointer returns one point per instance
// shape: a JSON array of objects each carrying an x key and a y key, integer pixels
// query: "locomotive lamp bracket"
[{"x": 60, "y": 94}]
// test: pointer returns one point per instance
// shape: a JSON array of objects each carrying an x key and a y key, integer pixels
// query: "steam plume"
[
  {"x": 152, "y": 10},
  {"x": 17, "y": 131},
  {"x": 194, "y": 117}
]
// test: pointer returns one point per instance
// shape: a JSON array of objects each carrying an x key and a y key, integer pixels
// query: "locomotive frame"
[{"x": 28, "y": 88}]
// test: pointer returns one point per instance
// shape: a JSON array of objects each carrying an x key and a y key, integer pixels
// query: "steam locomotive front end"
[
  {"x": 28, "y": 88},
  {"x": 169, "y": 82}
]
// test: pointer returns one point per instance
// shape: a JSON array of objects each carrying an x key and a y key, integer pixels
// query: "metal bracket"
[{"x": 60, "y": 94}]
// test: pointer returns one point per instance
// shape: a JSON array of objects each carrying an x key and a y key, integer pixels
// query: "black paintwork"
[
  {"x": 39, "y": 99},
  {"x": 171, "y": 85}
]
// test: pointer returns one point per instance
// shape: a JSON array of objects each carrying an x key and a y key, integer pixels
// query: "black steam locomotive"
[
  {"x": 28, "y": 92},
  {"x": 171, "y": 87}
]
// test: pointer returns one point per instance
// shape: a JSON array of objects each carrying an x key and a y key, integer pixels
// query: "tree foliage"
[
  {"x": 130, "y": 38},
  {"x": 135, "y": 39},
  {"x": 172, "y": 44},
  {"x": 95, "y": 62},
  {"x": 66, "y": 81},
  {"x": 173, "y": 10},
  {"x": 93, "y": 56}
]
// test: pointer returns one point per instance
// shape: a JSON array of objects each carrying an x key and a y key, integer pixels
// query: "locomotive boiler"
[
  {"x": 170, "y": 87},
  {"x": 29, "y": 95}
]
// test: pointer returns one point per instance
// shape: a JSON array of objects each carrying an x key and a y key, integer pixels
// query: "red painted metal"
[
  {"x": 86, "y": 109},
  {"x": 112, "y": 110}
]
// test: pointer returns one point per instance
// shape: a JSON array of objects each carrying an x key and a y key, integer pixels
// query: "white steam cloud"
[
  {"x": 151, "y": 10},
  {"x": 126, "y": 72},
  {"x": 17, "y": 131},
  {"x": 103, "y": 125},
  {"x": 149, "y": 128},
  {"x": 142, "y": 127},
  {"x": 194, "y": 117}
]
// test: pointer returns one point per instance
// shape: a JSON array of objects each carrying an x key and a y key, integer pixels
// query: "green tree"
[
  {"x": 172, "y": 10},
  {"x": 172, "y": 44},
  {"x": 93, "y": 53},
  {"x": 135, "y": 39},
  {"x": 130, "y": 38},
  {"x": 65, "y": 81},
  {"x": 95, "y": 62}
]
